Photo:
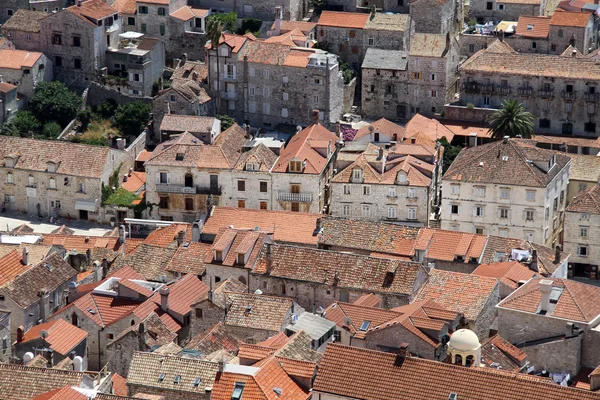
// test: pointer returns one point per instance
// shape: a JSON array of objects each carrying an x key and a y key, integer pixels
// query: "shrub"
[
  {"x": 52, "y": 130},
  {"x": 226, "y": 121},
  {"x": 53, "y": 101},
  {"x": 25, "y": 122},
  {"x": 131, "y": 119}
]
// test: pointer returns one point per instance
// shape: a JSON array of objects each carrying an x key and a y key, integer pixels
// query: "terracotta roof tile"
[
  {"x": 25, "y": 383},
  {"x": 62, "y": 336},
  {"x": 65, "y": 393},
  {"x": 190, "y": 123},
  {"x": 497, "y": 350},
  {"x": 573, "y": 19},
  {"x": 150, "y": 261},
  {"x": 429, "y": 126},
  {"x": 186, "y": 13},
  {"x": 165, "y": 236},
  {"x": 275, "y": 341},
  {"x": 368, "y": 300},
  {"x": 235, "y": 242},
  {"x": 458, "y": 292},
  {"x": 445, "y": 245},
  {"x": 125, "y": 6},
  {"x": 587, "y": 201},
  {"x": 533, "y": 27},
  {"x": 304, "y": 26},
  {"x": 261, "y": 155},
  {"x": 298, "y": 368},
  {"x": 92, "y": 9},
  {"x": 341, "y": 312},
  {"x": 382, "y": 126},
  {"x": 467, "y": 128},
  {"x": 254, "y": 352},
  {"x": 509, "y": 272},
  {"x": 218, "y": 337},
  {"x": 258, "y": 311},
  {"x": 17, "y": 59},
  {"x": 159, "y": 332},
  {"x": 343, "y": 19},
  {"x": 24, "y": 21},
  {"x": 11, "y": 266},
  {"x": 358, "y": 373},
  {"x": 119, "y": 385},
  {"x": 286, "y": 226},
  {"x": 186, "y": 72},
  {"x": 427, "y": 45},
  {"x": 189, "y": 259}
]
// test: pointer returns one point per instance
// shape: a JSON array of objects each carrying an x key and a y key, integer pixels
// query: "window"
[
  {"x": 81, "y": 187},
  {"x": 266, "y": 108},
  {"x": 241, "y": 186},
  {"x": 163, "y": 202},
  {"x": 371, "y": 41},
  {"x": 110, "y": 336},
  {"x": 9, "y": 12},
  {"x": 500, "y": 7},
  {"x": 252, "y": 72},
  {"x": 471, "y": 48},
  {"x": 530, "y": 195},
  {"x": 434, "y": 93},
  {"x": 284, "y": 112},
  {"x": 346, "y": 189},
  {"x": 568, "y": 107},
  {"x": 504, "y": 213},
  {"x": 199, "y": 313},
  {"x": 392, "y": 192},
  {"x": 583, "y": 231},
  {"x": 529, "y": 215},
  {"x": 316, "y": 99},
  {"x": 416, "y": 75},
  {"x": 77, "y": 63},
  {"x": 296, "y": 207},
  {"x": 352, "y": 33},
  {"x": 366, "y": 190},
  {"x": 582, "y": 251},
  {"x": 412, "y": 213},
  {"x": 264, "y": 205},
  {"x": 189, "y": 204},
  {"x": 489, "y": 5},
  {"x": 455, "y": 189},
  {"x": 76, "y": 41},
  {"x": 478, "y": 211},
  {"x": 31, "y": 180},
  {"x": 366, "y": 210},
  {"x": 533, "y": 45},
  {"x": 357, "y": 174},
  {"x": 55, "y": 204},
  {"x": 143, "y": 28},
  {"x": 504, "y": 193},
  {"x": 454, "y": 209},
  {"x": 412, "y": 193},
  {"x": 480, "y": 191},
  {"x": 143, "y": 10},
  {"x": 52, "y": 183},
  {"x": 585, "y": 216},
  {"x": 589, "y": 126},
  {"x": 391, "y": 212},
  {"x": 529, "y": 236},
  {"x": 295, "y": 166},
  {"x": 241, "y": 203},
  {"x": 161, "y": 11},
  {"x": 486, "y": 101},
  {"x": 544, "y": 123},
  {"x": 346, "y": 210},
  {"x": 56, "y": 38},
  {"x": 266, "y": 73},
  {"x": 555, "y": 204},
  {"x": 29, "y": 37},
  {"x": 10, "y": 178},
  {"x": 582, "y": 187},
  {"x": 130, "y": 21},
  {"x": 162, "y": 29},
  {"x": 263, "y": 187},
  {"x": 503, "y": 232},
  {"x": 479, "y": 230}
]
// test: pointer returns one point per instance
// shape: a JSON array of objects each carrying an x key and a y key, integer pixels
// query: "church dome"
[{"x": 464, "y": 340}]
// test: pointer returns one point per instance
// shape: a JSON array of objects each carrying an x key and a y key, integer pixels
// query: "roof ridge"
[
  {"x": 525, "y": 159},
  {"x": 97, "y": 310}
]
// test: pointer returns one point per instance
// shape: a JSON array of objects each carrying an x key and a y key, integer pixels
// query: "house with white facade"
[
  {"x": 24, "y": 69},
  {"x": 508, "y": 188}
]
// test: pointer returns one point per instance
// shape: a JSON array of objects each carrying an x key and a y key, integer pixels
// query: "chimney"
[
  {"x": 278, "y": 18},
  {"x": 269, "y": 258},
  {"x": 25, "y": 257},
  {"x": 78, "y": 3},
  {"x": 180, "y": 237},
  {"x": 315, "y": 115},
  {"x": 505, "y": 139},
  {"x": 557, "y": 251},
  {"x": 545, "y": 290},
  {"x": 195, "y": 76},
  {"x": 141, "y": 337},
  {"x": 104, "y": 268},
  {"x": 210, "y": 291},
  {"x": 318, "y": 224},
  {"x": 533, "y": 265},
  {"x": 594, "y": 378},
  {"x": 72, "y": 292},
  {"x": 164, "y": 298},
  {"x": 130, "y": 172},
  {"x": 20, "y": 333},
  {"x": 44, "y": 305},
  {"x": 168, "y": 108},
  {"x": 380, "y": 155},
  {"x": 403, "y": 353},
  {"x": 125, "y": 177},
  {"x": 501, "y": 35},
  {"x": 1, "y": 79}
]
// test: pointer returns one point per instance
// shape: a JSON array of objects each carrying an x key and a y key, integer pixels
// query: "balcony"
[
  {"x": 470, "y": 87},
  {"x": 228, "y": 95},
  {"x": 567, "y": 95},
  {"x": 228, "y": 77},
  {"x": 296, "y": 197},
  {"x": 591, "y": 96},
  {"x": 546, "y": 93},
  {"x": 181, "y": 189},
  {"x": 488, "y": 88},
  {"x": 525, "y": 91},
  {"x": 504, "y": 89}
]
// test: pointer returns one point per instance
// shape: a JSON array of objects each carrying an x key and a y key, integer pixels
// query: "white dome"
[{"x": 464, "y": 340}]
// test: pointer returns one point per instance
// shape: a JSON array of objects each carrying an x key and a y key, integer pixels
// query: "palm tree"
[
  {"x": 214, "y": 31},
  {"x": 512, "y": 120}
]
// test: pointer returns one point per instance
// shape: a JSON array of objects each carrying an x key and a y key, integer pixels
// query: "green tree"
[
  {"x": 25, "y": 122},
  {"x": 132, "y": 118},
  {"x": 214, "y": 31},
  {"x": 317, "y": 5},
  {"x": 51, "y": 130},
  {"x": 108, "y": 108},
  {"x": 226, "y": 121},
  {"x": 511, "y": 120},
  {"x": 8, "y": 129},
  {"x": 227, "y": 21},
  {"x": 450, "y": 152},
  {"x": 53, "y": 101},
  {"x": 251, "y": 25}
]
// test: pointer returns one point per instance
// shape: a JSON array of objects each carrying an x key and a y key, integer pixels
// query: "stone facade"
[
  {"x": 26, "y": 78},
  {"x": 54, "y": 357},
  {"x": 582, "y": 239},
  {"x": 10, "y": 7},
  {"x": 155, "y": 20},
  {"x": 5, "y": 337},
  {"x": 293, "y": 10},
  {"x": 497, "y": 10},
  {"x": 558, "y": 356},
  {"x": 437, "y": 17},
  {"x": 205, "y": 315}
]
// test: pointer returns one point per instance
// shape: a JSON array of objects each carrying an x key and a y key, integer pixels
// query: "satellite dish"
[
  {"x": 44, "y": 334},
  {"x": 258, "y": 291}
]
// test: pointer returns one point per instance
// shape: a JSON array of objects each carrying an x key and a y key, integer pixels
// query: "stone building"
[
  {"x": 186, "y": 28},
  {"x": 555, "y": 89},
  {"x": 349, "y": 35},
  {"x": 510, "y": 274},
  {"x": 187, "y": 177},
  {"x": 23, "y": 29},
  {"x": 153, "y": 17},
  {"x": 33, "y": 290},
  {"x": 25, "y": 70},
  {"x": 303, "y": 170},
  {"x": 425, "y": 326},
  {"x": 283, "y": 270},
  {"x": 504, "y": 10},
  {"x": 265, "y": 84},
  {"x": 5, "y": 344},
  {"x": 77, "y": 38},
  {"x": 437, "y": 17},
  {"x": 384, "y": 88},
  {"x": 508, "y": 188},
  {"x": 555, "y": 338},
  {"x": 585, "y": 173},
  {"x": 55, "y": 341},
  {"x": 577, "y": 29},
  {"x": 47, "y": 177},
  {"x": 292, "y": 10},
  {"x": 139, "y": 59},
  {"x": 383, "y": 185},
  {"x": 9, "y": 104},
  {"x": 473, "y": 296},
  {"x": 205, "y": 129},
  {"x": 582, "y": 233},
  {"x": 172, "y": 377}
]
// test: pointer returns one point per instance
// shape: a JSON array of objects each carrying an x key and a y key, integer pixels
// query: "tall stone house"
[
  {"x": 265, "y": 84},
  {"x": 303, "y": 170},
  {"x": 293, "y": 10},
  {"x": 23, "y": 29},
  {"x": 153, "y": 17},
  {"x": 25, "y": 69},
  {"x": 44, "y": 178},
  {"x": 561, "y": 91},
  {"x": 5, "y": 342},
  {"x": 77, "y": 38},
  {"x": 508, "y": 188},
  {"x": 582, "y": 233},
  {"x": 499, "y": 10}
]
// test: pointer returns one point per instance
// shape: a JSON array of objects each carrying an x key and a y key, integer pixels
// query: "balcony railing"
[
  {"x": 546, "y": 93},
  {"x": 568, "y": 95},
  {"x": 470, "y": 87},
  {"x": 487, "y": 88},
  {"x": 228, "y": 95},
  {"x": 168, "y": 188},
  {"x": 525, "y": 91},
  {"x": 228, "y": 77},
  {"x": 298, "y": 197},
  {"x": 504, "y": 89},
  {"x": 591, "y": 96}
]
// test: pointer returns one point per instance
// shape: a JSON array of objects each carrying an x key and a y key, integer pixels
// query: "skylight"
[
  {"x": 365, "y": 325},
  {"x": 197, "y": 382},
  {"x": 237, "y": 391},
  {"x": 161, "y": 377}
]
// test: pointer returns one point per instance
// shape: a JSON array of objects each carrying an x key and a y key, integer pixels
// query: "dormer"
[
  {"x": 296, "y": 165},
  {"x": 402, "y": 178},
  {"x": 252, "y": 166},
  {"x": 52, "y": 166},
  {"x": 357, "y": 175},
  {"x": 10, "y": 160},
  {"x": 242, "y": 258}
]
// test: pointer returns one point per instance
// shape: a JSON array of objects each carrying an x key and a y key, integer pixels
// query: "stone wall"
[
  {"x": 573, "y": 239},
  {"x": 487, "y": 315},
  {"x": 5, "y": 337},
  {"x": 560, "y": 356},
  {"x": 349, "y": 93},
  {"x": 385, "y": 94},
  {"x": 211, "y": 314},
  {"x": 99, "y": 93}
]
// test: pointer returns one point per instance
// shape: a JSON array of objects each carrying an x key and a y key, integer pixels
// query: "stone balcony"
[
  {"x": 181, "y": 189},
  {"x": 295, "y": 197}
]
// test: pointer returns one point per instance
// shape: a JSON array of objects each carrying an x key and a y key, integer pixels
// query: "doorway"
[
  {"x": 83, "y": 215},
  {"x": 31, "y": 205}
]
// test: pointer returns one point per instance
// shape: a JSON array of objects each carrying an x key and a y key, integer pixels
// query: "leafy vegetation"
[
  {"x": 98, "y": 133},
  {"x": 131, "y": 119},
  {"x": 512, "y": 120},
  {"x": 53, "y": 101},
  {"x": 226, "y": 121},
  {"x": 113, "y": 182},
  {"x": 26, "y": 123},
  {"x": 228, "y": 22},
  {"x": 52, "y": 130},
  {"x": 121, "y": 198},
  {"x": 317, "y": 5},
  {"x": 251, "y": 25},
  {"x": 450, "y": 152},
  {"x": 347, "y": 73}
]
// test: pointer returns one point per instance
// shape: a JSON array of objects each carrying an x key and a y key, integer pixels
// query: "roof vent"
[
  {"x": 197, "y": 382},
  {"x": 453, "y": 396},
  {"x": 278, "y": 391},
  {"x": 365, "y": 326},
  {"x": 161, "y": 377},
  {"x": 530, "y": 27},
  {"x": 504, "y": 158},
  {"x": 481, "y": 163},
  {"x": 177, "y": 379}
]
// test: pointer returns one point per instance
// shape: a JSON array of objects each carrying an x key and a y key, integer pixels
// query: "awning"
[
  {"x": 507, "y": 26},
  {"x": 86, "y": 205},
  {"x": 130, "y": 35}
]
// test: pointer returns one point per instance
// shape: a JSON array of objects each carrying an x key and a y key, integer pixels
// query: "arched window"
[
  {"x": 10, "y": 178},
  {"x": 52, "y": 183},
  {"x": 189, "y": 180},
  {"x": 469, "y": 361},
  {"x": 458, "y": 359}
]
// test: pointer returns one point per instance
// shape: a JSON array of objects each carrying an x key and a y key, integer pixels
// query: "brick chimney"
[
  {"x": 180, "y": 237},
  {"x": 44, "y": 304},
  {"x": 315, "y": 115},
  {"x": 269, "y": 258},
  {"x": 20, "y": 333},
  {"x": 164, "y": 298}
]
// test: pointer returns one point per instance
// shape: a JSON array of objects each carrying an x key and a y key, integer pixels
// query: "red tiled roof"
[
  {"x": 6, "y": 87},
  {"x": 186, "y": 13},
  {"x": 125, "y": 6},
  {"x": 432, "y": 128},
  {"x": 286, "y": 226},
  {"x": 445, "y": 245},
  {"x": 65, "y": 393},
  {"x": 189, "y": 259},
  {"x": 17, "y": 59},
  {"x": 254, "y": 352},
  {"x": 276, "y": 341},
  {"x": 382, "y": 126},
  {"x": 81, "y": 243},
  {"x": 516, "y": 354},
  {"x": 367, "y": 300},
  {"x": 572, "y": 19},
  {"x": 357, "y": 373},
  {"x": 164, "y": 236},
  {"x": 533, "y": 27},
  {"x": 343, "y": 19},
  {"x": 119, "y": 385},
  {"x": 287, "y": 26},
  {"x": 297, "y": 368},
  {"x": 62, "y": 336},
  {"x": 509, "y": 272},
  {"x": 11, "y": 267},
  {"x": 135, "y": 181},
  {"x": 459, "y": 292},
  {"x": 258, "y": 311},
  {"x": 237, "y": 241},
  {"x": 92, "y": 9},
  {"x": 587, "y": 201},
  {"x": 131, "y": 285}
]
